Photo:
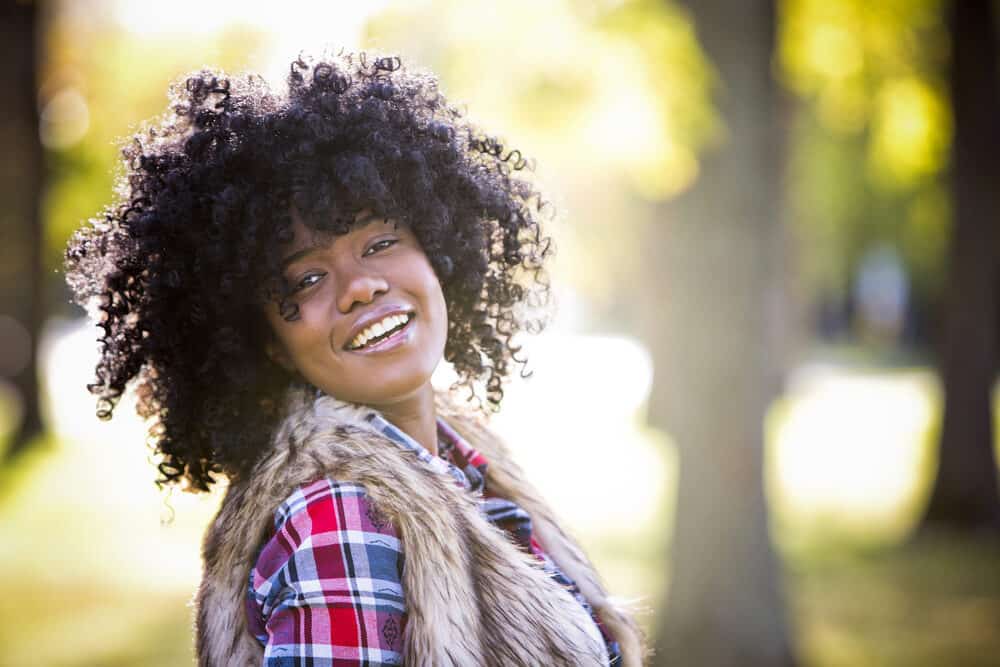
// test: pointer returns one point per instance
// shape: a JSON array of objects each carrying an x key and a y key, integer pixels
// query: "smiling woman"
[{"x": 280, "y": 279}]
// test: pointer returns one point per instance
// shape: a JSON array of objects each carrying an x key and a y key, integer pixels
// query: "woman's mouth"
[{"x": 385, "y": 334}]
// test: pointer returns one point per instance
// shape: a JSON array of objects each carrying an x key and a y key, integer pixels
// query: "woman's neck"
[{"x": 416, "y": 416}]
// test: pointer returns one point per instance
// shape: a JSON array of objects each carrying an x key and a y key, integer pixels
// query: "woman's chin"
[{"x": 386, "y": 390}]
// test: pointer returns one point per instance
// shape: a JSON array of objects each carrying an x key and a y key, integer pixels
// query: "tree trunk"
[
  {"x": 965, "y": 492},
  {"x": 20, "y": 227},
  {"x": 717, "y": 264}
]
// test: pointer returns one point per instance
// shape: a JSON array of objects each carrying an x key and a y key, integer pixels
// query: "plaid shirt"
[{"x": 326, "y": 587}]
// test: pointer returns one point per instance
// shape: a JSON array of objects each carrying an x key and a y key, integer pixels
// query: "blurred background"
[{"x": 777, "y": 307}]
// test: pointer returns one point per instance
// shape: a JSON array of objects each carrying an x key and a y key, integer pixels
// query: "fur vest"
[{"x": 472, "y": 598}]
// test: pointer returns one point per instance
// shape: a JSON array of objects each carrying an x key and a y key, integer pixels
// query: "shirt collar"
[{"x": 471, "y": 478}]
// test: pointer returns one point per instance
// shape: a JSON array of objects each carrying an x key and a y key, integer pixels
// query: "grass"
[
  {"x": 73, "y": 624},
  {"x": 934, "y": 603}
]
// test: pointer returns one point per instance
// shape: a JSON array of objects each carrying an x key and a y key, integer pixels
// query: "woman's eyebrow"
[
  {"x": 297, "y": 255},
  {"x": 360, "y": 223},
  {"x": 367, "y": 219}
]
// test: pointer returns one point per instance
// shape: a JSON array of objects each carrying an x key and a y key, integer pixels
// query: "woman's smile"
[{"x": 388, "y": 333}]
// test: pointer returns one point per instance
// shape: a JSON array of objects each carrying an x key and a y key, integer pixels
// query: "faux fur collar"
[{"x": 472, "y": 598}]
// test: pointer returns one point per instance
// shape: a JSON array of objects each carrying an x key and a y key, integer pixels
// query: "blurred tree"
[
  {"x": 965, "y": 493},
  {"x": 716, "y": 264},
  {"x": 21, "y": 171}
]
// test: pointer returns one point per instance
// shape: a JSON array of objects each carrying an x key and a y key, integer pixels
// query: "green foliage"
[
  {"x": 626, "y": 85},
  {"x": 870, "y": 149},
  {"x": 663, "y": 38}
]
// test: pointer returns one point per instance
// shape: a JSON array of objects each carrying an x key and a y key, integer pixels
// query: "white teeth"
[{"x": 378, "y": 329}]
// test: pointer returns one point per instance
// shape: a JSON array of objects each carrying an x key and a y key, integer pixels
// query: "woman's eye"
[
  {"x": 307, "y": 281},
  {"x": 378, "y": 246}
]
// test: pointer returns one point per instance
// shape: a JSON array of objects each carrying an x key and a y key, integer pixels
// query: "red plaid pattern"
[{"x": 326, "y": 587}]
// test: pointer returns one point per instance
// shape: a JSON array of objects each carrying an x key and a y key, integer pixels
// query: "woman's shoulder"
[
  {"x": 326, "y": 505},
  {"x": 332, "y": 558},
  {"x": 323, "y": 524}
]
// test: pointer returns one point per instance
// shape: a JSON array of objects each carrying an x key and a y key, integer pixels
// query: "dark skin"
[{"x": 342, "y": 286}]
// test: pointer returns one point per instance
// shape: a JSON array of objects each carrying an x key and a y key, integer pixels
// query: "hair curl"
[{"x": 180, "y": 266}]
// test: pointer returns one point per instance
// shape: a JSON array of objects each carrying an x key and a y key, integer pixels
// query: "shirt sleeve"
[{"x": 327, "y": 585}]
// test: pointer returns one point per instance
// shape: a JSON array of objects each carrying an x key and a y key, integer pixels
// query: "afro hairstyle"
[{"x": 176, "y": 270}]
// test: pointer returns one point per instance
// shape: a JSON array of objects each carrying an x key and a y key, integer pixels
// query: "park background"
[{"x": 776, "y": 289}]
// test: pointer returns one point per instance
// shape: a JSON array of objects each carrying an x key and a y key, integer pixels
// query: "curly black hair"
[{"x": 180, "y": 266}]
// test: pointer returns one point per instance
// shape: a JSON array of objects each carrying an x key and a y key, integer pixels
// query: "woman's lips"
[{"x": 400, "y": 337}]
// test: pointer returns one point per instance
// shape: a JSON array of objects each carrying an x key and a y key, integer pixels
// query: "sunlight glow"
[
  {"x": 290, "y": 28},
  {"x": 626, "y": 124},
  {"x": 105, "y": 474},
  {"x": 575, "y": 426},
  {"x": 851, "y": 443}
]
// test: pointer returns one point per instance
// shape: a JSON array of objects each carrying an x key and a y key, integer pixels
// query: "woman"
[{"x": 280, "y": 278}]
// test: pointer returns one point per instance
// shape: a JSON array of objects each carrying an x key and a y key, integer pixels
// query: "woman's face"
[{"x": 372, "y": 320}]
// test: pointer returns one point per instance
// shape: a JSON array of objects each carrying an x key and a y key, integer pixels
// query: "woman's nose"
[{"x": 360, "y": 287}]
